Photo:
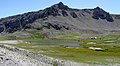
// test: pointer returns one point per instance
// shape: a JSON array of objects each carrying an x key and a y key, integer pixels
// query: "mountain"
[{"x": 61, "y": 18}]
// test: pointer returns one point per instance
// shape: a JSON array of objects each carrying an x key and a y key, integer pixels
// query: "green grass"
[
  {"x": 53, "y": 41},
  {"x": 110, "y": 55},
  {"x": 23, "y": 35},
  {"x": 37, "y": 35},
  {"x": 75, "y": 54},
  {"x": 68, "y": 35},
  {"x": 3, "y": 38},
  {"x": 114, "y": 37}
]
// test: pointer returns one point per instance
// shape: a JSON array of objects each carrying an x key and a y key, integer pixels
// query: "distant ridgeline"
[{"x": 60, "y": 17}]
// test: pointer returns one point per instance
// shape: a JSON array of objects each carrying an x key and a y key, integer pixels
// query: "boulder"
[{"x": 96, "y": 49}]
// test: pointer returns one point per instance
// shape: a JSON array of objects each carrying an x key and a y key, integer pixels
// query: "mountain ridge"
[{"x": 61, "y": 17}]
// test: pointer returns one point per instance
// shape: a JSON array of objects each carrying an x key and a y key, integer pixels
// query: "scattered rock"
[
  {"x": 55, "y": 25},
  {"x": 19, "y": 58},
  {"x": 91, "y": 43},
  {"x": 11, "y": 42},
  {"x": 109, "y": 41},
  {"x": 1, "y": 58},
  {"x": 96, "y": 49}
]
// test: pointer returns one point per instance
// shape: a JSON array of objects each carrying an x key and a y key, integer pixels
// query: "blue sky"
[{"x": 13, "y": 7}]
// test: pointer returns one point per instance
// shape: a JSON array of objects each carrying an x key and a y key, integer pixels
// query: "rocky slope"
[
  {"x": 60, "y": 17},
  {"x": 13, "y": 56}
]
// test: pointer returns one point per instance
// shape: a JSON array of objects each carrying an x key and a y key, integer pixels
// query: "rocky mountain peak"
[
  {"x": 99, "y": 13},
  {"x": 54, "y": 9},
  {"x": 60, "y": 3},
  {"x": 64, "y": 22},
  {"x": 61, "y": 6},
  {"x": 98, "y": 8}
]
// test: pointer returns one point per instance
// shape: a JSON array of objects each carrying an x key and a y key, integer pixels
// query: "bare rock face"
[
  {"x": 63, "y": 17},
  {"x": 64, "y": 13},
  {"x": 61, "y": 6},
  {"x": 101, "y": 14},
  {"x": 55, "y": 26},
  {"x": 54, "y": 10},
  {"x": 73, "y": 14}
]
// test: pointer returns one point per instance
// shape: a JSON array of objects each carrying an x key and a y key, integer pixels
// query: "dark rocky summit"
[
  {"x": 61, "y": 17},
  {"x": 100, "y": 13}
]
